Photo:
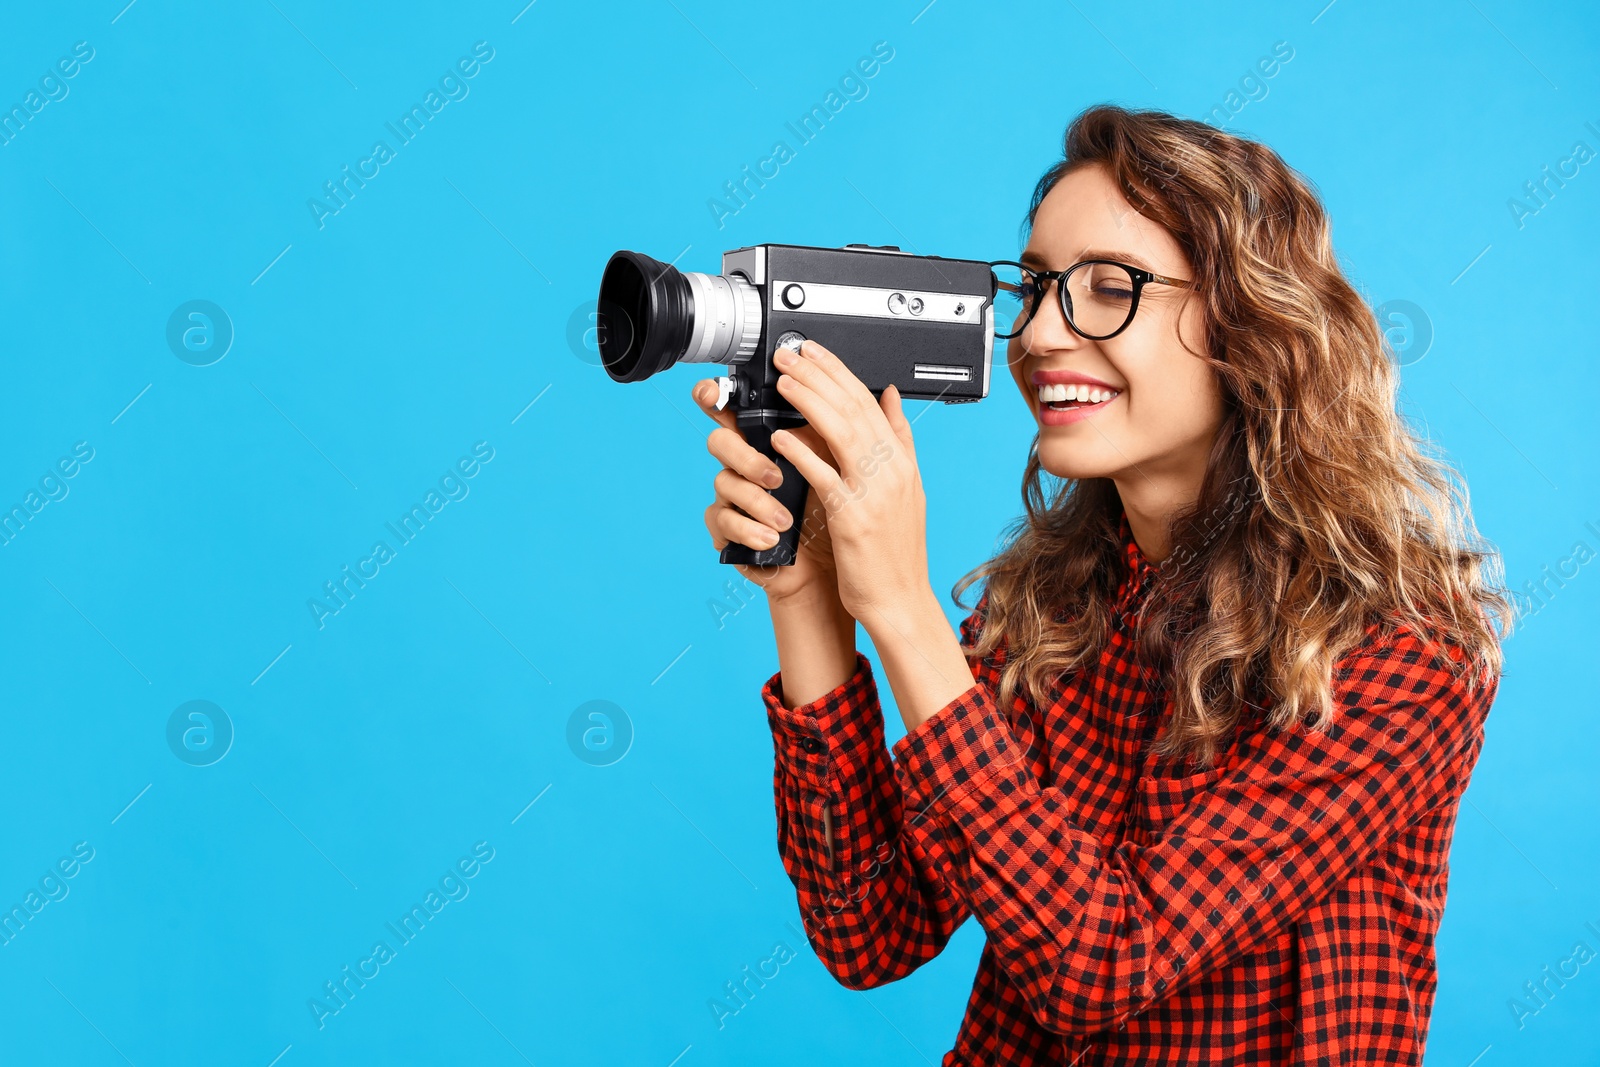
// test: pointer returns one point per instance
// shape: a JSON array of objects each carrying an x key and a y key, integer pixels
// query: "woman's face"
[{"x": 1159, "y": 425}]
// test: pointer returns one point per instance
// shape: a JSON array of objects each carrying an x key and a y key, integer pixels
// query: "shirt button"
[{"x": 811, "y": 745}]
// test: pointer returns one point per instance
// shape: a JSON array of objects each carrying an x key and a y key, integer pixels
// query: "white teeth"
[{"x": 1055, "y": 394}]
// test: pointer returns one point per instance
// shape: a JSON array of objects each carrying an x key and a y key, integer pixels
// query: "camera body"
[{"x": 924, "y": 324}]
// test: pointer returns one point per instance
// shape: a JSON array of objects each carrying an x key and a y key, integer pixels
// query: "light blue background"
[{"x": 433, "y": 309}]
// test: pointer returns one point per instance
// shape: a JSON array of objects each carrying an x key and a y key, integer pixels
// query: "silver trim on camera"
[
  {"x": 942, "y": 372},
  {"x": 750, "y": 262},
  {"x": 988, "y": 343},
  {"x": 726, "y": 319},
  {"x": 988, "y": 358},
  {"x": 907, "y": 305}
]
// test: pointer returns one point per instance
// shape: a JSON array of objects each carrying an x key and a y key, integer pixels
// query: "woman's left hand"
[{"x": 874, "y": 501}]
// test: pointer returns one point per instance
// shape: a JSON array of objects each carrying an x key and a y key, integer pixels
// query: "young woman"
[{"x": 1195, "y": 760}]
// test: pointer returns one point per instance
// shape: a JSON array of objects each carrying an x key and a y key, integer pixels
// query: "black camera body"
[{"x": 922, "y": 323}]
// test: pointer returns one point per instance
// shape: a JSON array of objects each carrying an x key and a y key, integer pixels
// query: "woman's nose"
[{"x": 1048, "y": 330}]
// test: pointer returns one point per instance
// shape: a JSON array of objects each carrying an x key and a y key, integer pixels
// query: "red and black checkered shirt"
[{"x": 1277, "y": 908}]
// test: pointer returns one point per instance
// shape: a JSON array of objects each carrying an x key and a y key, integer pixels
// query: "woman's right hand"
[{"x": 745, "y": 512}]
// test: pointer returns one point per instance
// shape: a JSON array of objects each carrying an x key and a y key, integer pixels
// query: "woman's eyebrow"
[
  {"x": 1034, "y": 259},
  {"x": 1121, "y": 257}
]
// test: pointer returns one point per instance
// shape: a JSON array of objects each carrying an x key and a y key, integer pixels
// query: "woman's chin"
[{"x": 1074, "y": 469}]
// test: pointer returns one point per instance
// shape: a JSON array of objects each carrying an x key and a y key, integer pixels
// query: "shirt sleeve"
[
  {"x": 1090, "y": 936},
  {"x": 882, "y": 902}
]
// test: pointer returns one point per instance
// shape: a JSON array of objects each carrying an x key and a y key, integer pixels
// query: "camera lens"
[
  {"x": 644, "y": 314},
  {"x": 650, "y": 315}
]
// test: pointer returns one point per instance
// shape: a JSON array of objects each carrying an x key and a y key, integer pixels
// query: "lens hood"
[{"x": 644, "y": 316}]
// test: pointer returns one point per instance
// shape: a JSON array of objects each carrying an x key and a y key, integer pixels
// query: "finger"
[
  {"x": 851, "y": 388},
  {"x": 861, "y": 411},
  {"x": 751, "y": 499},
  {"x": 723, "y": 521},
  {"x": 806, "y": 367},
  {"x": 896, "y": 414},
  {"x": 714, "y": 524},
  {"x": 823, "y": 478},
  {"x": 813, "y": 440},
  {"x": 718, "y": 541},
  {"x": 838, "y": 429},
  {"x": 705, "y": 394},
  {"x": 734, "y": 452}
]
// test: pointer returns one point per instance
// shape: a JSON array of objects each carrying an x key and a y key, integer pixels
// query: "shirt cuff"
[
  {"x": 826, "y": 734},
  {"x": 963, "y": 750}
]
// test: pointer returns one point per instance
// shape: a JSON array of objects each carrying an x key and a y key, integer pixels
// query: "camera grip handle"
[{"x": 791, "y": 494}]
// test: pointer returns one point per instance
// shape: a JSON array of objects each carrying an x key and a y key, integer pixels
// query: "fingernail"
[
  {"x": 772, "y": 479},
  {"x": 784, "y": 519},
  {"x": 783, "y": 357}
]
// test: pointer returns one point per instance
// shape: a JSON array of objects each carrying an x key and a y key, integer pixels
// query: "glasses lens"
[
  {"x": 1099, "y": 298},
  {"x": 1012, "y": 297}
]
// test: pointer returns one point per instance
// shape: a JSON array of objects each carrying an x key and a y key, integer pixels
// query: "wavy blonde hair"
[{"x": 1321, "y": 513}]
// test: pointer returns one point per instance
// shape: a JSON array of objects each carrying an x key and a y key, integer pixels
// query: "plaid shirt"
[{"x": 1277, "y": 908}]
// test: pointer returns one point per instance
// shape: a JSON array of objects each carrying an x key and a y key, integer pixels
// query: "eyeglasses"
[{"x": 1098, "y": 296}]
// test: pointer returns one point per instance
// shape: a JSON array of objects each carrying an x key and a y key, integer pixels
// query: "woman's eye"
[{"x": 1113, "y": 292}]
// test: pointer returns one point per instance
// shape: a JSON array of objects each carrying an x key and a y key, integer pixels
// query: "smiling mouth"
[{"x": 1071, "y": 397}]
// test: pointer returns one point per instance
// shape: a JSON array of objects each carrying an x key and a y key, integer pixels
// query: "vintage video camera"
[{"x": 924, "y": 323}]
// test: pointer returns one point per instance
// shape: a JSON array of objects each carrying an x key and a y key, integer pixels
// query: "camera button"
[
  {"x": 726, "y": 387},
  {"x": 897, "y": 303},
  {"x": 793, "y": 296}
]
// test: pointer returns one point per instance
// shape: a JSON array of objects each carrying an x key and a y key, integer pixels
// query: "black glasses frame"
[{"x": 1043, "y": 278}]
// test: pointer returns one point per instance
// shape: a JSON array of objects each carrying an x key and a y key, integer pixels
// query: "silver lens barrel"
[{"x": 727, "y": 319}]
